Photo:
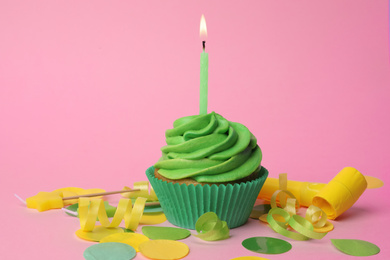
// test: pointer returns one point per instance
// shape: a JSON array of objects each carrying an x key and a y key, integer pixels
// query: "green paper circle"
[
  {"x": 127, "y": 230},
  {"x": 266, "y": 245},
  {"x": 110, "y": 210},
  {"x": 150, "y": 209},
  {"x": 355, "y": 247},
  {"x": 168, "y": 233},
  {"x": 110, "y": 251},
  {"x": 73, "y": 208}
]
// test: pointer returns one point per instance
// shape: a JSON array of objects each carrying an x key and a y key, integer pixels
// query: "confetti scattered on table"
[
  {"x": 97, "y": 233},
  {"x": 266, "y": 245},
  {"x": 249, "y": 258},
  {"x": 164, "y": 249},
  {"x": 153, "y": 218},
  {"x": 356, "y": 247},
  {"x": 169, "y": 233},
  {"x": 109, "y": 251},
  {"x": 110, "y": 210},
  {"x": 373, "y": 182},
  {"x": 131, "y": 239}
]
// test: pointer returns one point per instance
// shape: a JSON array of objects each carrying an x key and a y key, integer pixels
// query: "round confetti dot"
[
  {"x": 266, "y": 245},
  {"x": 279, "y": 218},
  {"x": 153, "y": 209},
  {"x": 373, "y": 182},
  {"x": 97, "y": 233},
  {"x": 169, "y": 233},
  {"x": 164, "y": 249},
  {"x": 109, "y": 251},
  {"x": 326, "y": 228},
  {"x": 131, "y": 239},
  {"x": 153, "y": 218},
  {"x": 355, "y": 247},
  {"x": 249, "y": 258}
]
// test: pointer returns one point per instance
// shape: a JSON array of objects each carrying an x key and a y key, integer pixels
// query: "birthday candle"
[{"x": 204, "y": 67}]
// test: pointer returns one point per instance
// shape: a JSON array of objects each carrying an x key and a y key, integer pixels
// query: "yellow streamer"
[
  {"x": 92, "y": 209},
  {"x": 316, "y": 216},
  {"x": 143, "y": 187}
]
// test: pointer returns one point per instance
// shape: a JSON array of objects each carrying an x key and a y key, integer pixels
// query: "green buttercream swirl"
[{"x": 208, "y": 148}]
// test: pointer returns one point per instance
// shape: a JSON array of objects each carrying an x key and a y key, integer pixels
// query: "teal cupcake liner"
[{"x": 183, "y": 204}]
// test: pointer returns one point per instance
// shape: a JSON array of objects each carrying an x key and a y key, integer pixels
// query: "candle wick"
[{"x": 204, "y": 45}]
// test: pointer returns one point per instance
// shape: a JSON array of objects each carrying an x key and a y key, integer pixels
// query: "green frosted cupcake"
[{"x": 208, "y": 164}]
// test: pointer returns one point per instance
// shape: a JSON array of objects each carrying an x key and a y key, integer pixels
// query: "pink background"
[{"x": 87, "y": 89}]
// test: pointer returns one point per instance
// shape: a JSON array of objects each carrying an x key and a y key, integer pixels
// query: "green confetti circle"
[
  {"x": 266, "y": 245},
  {"x": 355, "y": 247},
  {"x": 109, "y": 251},
  {"x": 169, "y": 233}
]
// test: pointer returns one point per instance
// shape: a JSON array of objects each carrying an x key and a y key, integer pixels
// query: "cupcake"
[{"x": 208, "y": 164}]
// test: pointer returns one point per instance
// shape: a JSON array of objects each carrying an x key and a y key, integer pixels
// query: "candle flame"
[{"x": 203, "y": 28}]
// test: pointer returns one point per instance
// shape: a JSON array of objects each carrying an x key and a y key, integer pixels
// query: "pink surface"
[{"x": 88, "y": 88}]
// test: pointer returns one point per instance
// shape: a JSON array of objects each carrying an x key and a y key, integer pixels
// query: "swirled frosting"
[{"x": 208, "y": 148}]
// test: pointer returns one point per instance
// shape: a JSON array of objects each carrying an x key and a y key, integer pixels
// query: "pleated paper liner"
[{"x": 184, "y": 204}]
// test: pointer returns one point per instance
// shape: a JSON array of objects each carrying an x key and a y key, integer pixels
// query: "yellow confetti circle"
[
  {"x": 326, "y": 228},
  {"x": 153, "y": 218},
  {"x": 373, "y": 182},
  {"x": 97, "y": 233},
  {"x": 132, "y": 239},
  {"x": 164, "y": 249},
  {"x": 249, "y": 258}
]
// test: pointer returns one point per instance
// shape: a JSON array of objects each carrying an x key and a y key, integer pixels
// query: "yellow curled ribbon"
[
  {"x": 92, "y": 209},
  {"x": 289, "y": 205},
  {"x": 316, "y": 216},
  {"x": 143, "y": 187},
  {"x": 304, "y": 227}
]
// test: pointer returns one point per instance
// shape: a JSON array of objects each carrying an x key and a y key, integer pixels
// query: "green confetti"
[
  {"x": 110, "y": 210},
  {"x": 109, "y": 251},
  {"x": 355, "y": 247},
  {"x": 169, "y": 233},
  {"x": 266, "y": 245}
]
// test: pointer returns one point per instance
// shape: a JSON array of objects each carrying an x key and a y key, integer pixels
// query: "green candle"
[{"x": 204, "y": 70}]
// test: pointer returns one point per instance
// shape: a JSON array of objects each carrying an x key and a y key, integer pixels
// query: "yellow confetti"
[
  {"x": 249, "y": 258},
  {"x": 153, "y": 218},
  {"x": 97, "y": 233},
  {"x": 164, "y": 249},
  {"x": 373, "y": 182},
  {"x": 132, "y": 239}
]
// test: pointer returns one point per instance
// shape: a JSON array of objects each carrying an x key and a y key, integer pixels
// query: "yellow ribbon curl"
[
  {"x": 92, "y": 209},
  {"x": 143, "y": 187}
]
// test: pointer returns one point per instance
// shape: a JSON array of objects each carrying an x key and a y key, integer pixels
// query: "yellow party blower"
[{"x": 333, "y": 198}]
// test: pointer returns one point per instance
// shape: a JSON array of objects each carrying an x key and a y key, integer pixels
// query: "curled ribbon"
[
  {"x": 312, "y": 226},
  {"x": 90, "y": 210},
  {"x": 211, "y": 228},
  {"x": 303, "y": 226},
  {"x": 143, "y": 187}
]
